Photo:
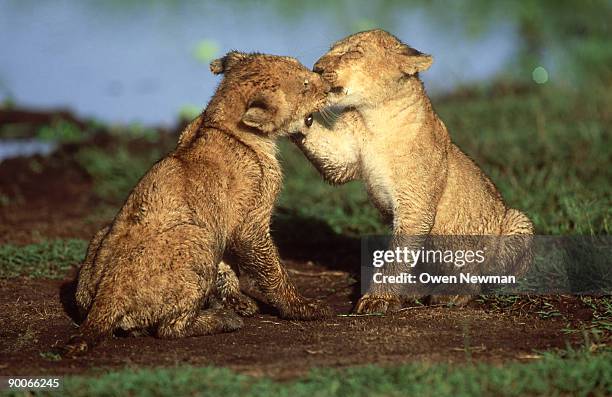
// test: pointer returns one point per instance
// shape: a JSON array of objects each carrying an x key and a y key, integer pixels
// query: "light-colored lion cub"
[
  {"x": 158, "y": 267},
  {"x": 389, "y": 136}
]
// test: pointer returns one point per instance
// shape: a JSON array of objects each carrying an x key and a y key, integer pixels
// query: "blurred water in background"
[
  {"x": 144, "y": 61},
  {"x": 24, "y": 147}
]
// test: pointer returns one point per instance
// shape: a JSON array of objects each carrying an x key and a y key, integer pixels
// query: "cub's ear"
[
  {"x": 225, "y": 63},
  {"x": 262, "y": 115},
  {"x": 412, "y": 61}
]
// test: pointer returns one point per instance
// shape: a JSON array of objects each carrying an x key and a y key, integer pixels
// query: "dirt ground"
[
  {"x": 56, "y": 201},
  {"x": 33, "y": 321}
]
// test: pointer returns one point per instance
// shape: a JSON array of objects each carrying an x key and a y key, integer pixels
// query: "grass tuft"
[
  {"x": 47, "y": 259},
  {"x": 574, "y": 373}
]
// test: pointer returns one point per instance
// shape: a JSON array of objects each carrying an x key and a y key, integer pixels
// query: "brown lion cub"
[
  {"x": 389, "y": 135},
  {"x": 156, "y": 266}
]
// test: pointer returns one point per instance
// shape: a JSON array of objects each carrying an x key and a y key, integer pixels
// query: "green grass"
[
  {"x": 115, "y": 173},
  {"x": 597, "y": 329},
  {"x": 602, "y": 313},
  {"x": 548, "y": 151},
  {"x": 580, "y": 374},
  {"x": 61, "y": 131},
  {"x": 47, "y": 259}
]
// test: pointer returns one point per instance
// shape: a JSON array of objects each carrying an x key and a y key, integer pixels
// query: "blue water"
[
  {"x": 24, "y": 147},
  {"x": 136, "y": 63}
]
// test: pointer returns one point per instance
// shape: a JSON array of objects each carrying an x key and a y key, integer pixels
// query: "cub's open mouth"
[
  {"x": 337, "y": 90},
  {"x": 297, "y": 137}
]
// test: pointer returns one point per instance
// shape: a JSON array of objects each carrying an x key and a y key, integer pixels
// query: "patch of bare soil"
[{"x": 34, "y": 319}]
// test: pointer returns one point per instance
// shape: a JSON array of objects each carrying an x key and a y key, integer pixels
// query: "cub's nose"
[
  {"x": 330, "y": 76},
  {"x": 326, "y": 86}
]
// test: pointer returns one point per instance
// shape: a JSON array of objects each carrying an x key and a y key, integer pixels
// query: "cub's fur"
[
  {"x": 389, "y": 136},
  {"x": 157, "y": 266}
]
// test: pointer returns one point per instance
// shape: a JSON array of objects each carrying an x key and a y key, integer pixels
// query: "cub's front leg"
[
  {"x": 258, "y": 257},
  {"x": 413, "y": 218},
  {"x": 333, "y": 148}
]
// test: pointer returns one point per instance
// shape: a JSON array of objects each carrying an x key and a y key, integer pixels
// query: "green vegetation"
[
  {"x": 61, "y": 131},
  {"x": 189, "y": 112},
  {"x": 602, "y": 314},
  {"x": 116, "y": 168},
  {"x": 546, "y": 149},
  {"x": 596, "y": 332},
  {"x": 47, "y": 259},
  {"x": 136, "y": 131},
  {"x": 115, "y": 173},
  {"x": 578, "y": 374}
]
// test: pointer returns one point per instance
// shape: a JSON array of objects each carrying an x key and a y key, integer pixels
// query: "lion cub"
[
  {"x": 156, "y": 266},
  {"x": 389, "y": 135}
]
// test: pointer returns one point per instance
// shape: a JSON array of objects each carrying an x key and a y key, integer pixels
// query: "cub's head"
[
  {"x": 362, "y": 68},
  {"x": 276, "y": 95}
]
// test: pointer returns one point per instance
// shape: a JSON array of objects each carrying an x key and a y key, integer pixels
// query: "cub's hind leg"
[
  {"x": 515, "y": 251},
  {"x": 87, "y": 277},
  {"x": 205, "y": 322},
  {"x": 516, "y": 223}
]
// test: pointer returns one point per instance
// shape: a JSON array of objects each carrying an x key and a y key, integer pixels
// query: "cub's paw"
[
  {"x": 230, "y": 321},
  {"x": 243, "y": 305},
  {"x": 306, "y": 310},
  {"x": 76, "y": 346},
  {"x": 379, "y": 304}
]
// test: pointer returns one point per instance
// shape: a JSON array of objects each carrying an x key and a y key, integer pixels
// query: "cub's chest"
[
  {"x": 377, "y": 176},
  {"x": 266, "y": 177}
]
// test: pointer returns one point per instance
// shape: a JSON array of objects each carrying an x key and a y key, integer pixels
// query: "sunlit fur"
[{"x": 158, "y": 266}]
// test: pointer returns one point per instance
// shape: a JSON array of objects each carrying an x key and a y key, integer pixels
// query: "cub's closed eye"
[
  {"x": 355, "y": 54},
  {"x": 308, "y": 120}
]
